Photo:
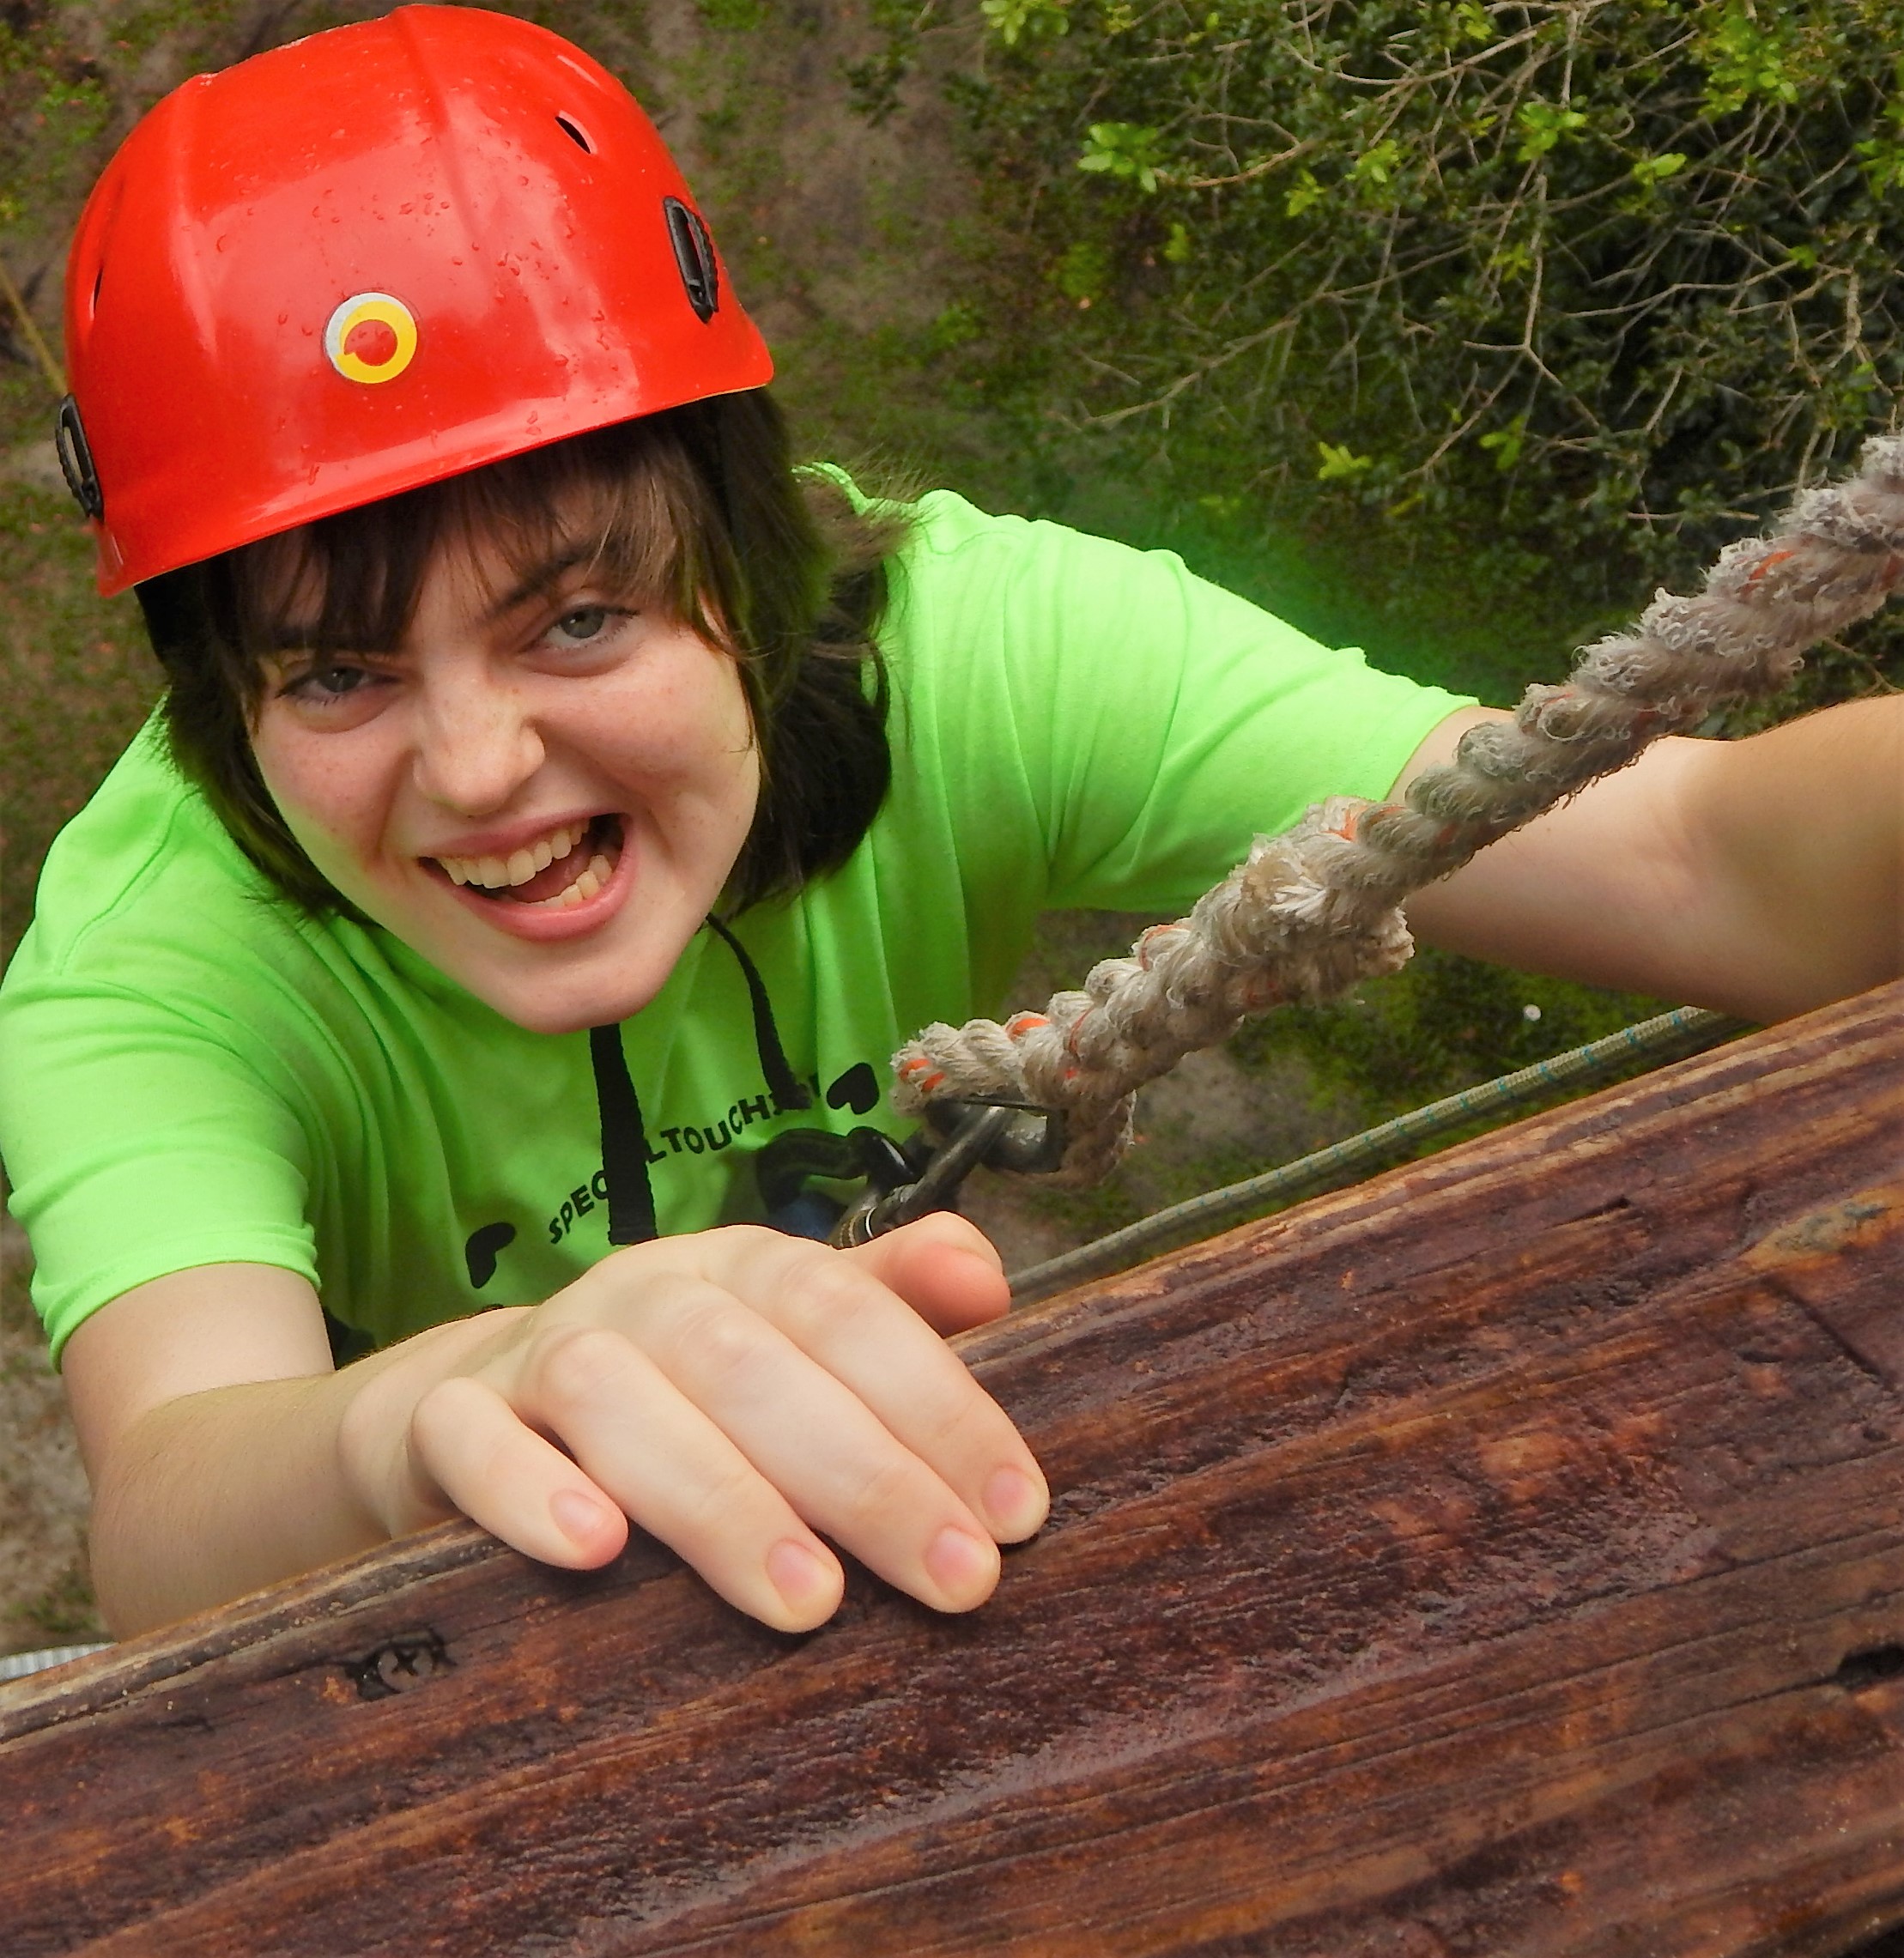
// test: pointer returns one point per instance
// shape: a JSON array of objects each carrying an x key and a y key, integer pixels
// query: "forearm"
[
  {"x": 213, "y": 1495},
  {"x": 1799, "y": 836},
  {"x": 219, "y": 1492},
  {"x": 1762, "y": 876}
]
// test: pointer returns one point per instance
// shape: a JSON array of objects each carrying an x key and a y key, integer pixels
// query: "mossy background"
[{"x": 937, "y": 277}]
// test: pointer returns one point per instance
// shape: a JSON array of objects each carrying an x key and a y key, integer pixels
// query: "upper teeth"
[{"x": 501, "y": 873}]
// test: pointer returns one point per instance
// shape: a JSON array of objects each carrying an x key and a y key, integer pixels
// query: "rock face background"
[{"x": 850, "y": 239}]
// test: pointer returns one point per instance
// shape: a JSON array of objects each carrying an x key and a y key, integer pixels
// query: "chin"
[
  {"x": 556, "y": 1002},
  {"x": 576, "y": 1019}
]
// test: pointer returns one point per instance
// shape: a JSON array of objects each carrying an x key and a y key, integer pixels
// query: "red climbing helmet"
[{"x": 369, "y": 260}]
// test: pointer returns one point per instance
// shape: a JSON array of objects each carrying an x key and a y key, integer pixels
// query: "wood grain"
[{"x": 1505, "y": 1557}]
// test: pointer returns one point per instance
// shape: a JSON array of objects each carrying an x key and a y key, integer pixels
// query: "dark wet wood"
[{"x": 1505, "y": 1556}]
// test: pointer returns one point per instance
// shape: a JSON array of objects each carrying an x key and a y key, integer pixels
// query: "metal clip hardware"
[
  {"x": 960, "y": 1136},
  {"x": 902, "y": 1180}
]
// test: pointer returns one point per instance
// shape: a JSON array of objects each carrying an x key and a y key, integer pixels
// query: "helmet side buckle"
[
  {"x": 76, "y": 460},
  {"x": 694, "y": 254}
]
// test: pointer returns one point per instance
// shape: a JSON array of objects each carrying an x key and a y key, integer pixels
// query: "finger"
[
  {"x": 815, "y": 1438},
  {"x": 946, "y": 1269},
  {"x": 839, "y": 1312},
  {"x": 468, "y": 1440},
  {"x": 669, "y": 1468}
]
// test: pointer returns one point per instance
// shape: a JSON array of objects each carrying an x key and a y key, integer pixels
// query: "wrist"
[{"x": 374, "y": 1453}]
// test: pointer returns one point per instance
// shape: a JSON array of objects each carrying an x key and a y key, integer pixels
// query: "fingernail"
[
  {"x": 580, "y": 1518},
  {"x": 1014, "y": 1505},
  {"x": 961, "y": 1564},
  {"x": 802, "y": 1579}
]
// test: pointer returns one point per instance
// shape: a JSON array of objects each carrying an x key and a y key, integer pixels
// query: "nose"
[{"x": 476, "y": 742}]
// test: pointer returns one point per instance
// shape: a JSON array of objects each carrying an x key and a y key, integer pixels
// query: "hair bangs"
[
  {"x": 625, "y": 503},
  {"x": 696, "y": 511}
]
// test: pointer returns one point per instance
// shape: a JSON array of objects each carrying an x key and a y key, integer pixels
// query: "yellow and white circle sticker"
[{"x": 371, "y": 338}]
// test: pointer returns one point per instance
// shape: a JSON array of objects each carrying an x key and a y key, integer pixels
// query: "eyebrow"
[
  {"x": 537, "y": 581},
  {"x": 300, "y": 638}
]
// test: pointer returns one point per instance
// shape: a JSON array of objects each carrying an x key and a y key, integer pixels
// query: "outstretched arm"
[
  {"x": 1763, "y": 877},
  {"x": 737, "y": 1393}
]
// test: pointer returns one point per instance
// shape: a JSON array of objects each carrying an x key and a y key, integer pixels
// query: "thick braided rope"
[{"x": 1316, "y": 909}]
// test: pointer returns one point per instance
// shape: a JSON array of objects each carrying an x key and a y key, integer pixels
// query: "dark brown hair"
[{"x": 698, "y": 509}]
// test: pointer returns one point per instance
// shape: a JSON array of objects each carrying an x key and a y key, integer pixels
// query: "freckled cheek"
[
  {"x": 692, "y": 738},
  {"x": 331, "y": 802}
]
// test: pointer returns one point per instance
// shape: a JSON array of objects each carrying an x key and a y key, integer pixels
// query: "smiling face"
[{"x": 542, "y": 788}]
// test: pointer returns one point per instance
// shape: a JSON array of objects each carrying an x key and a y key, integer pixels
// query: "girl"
[{"x": 557, "y": 795}]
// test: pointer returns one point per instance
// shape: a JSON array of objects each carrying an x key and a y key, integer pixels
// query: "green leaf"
[
  {"x": 1083, "y": 269},
  {"x": 1176, "y": 248},
  {"x": 1745, "y": 60},
  {"x": 1542, "y": 127},
  {"x": 1014, "y": 20},
  {"x": 1303, "y": 193},
  {"x": 1471, "y": 22},
  {"x": 1377, "y": 165},
  {"x": 1128, "y": 150},
  {"x": 1882, "y": 159},
  {"x": 1340, "y": 463},
  {"x": 1651, "y": 169},
  {"x": 1507, "y": 443}
]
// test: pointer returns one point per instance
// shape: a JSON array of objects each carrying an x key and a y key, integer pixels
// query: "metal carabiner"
[{"x": 960, "y": 1137}]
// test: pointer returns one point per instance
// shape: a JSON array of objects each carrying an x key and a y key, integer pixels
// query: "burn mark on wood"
[{"x": 1859, "y": 1669}]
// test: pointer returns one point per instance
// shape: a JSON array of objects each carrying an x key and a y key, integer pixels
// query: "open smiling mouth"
[{"x": 567, "y": 867}]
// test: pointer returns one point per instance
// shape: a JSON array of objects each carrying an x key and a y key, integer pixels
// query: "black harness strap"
[
  {"x": 625, "y": 1152},
  {"x": 624, "y": 1141},
  {"x": 781, "y": 1080}
]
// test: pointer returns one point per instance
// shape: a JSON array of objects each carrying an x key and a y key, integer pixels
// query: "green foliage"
[
  {"x": 64, "y": 1614},
  {"x": 1592, "y": 287},
  {"x": 1340, "y": 463},
  {"x": 1652, "y": 170},
  {"x": 1746, "y": 59},
  {"x": 733, "y": 16},
  {"x": 75, "y": 679},
  {"x": 1013, "y": 21},
  {"x": 1542, "y": 127},
  {"x": 1083, "y": 271},
  {"x": 1441, "y": 1025},
  {"x": 1123, "y": 149}
]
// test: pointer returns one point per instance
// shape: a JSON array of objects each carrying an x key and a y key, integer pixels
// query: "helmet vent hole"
[
  {"x": 575, "y": 133},
  {"x": 93, "y": 302},
  {"x": 694, "y": 255}
]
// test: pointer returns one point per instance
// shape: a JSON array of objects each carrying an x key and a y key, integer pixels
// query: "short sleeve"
[
  {"x": 140, "y": 1144},
  {"x": 144, "y": 1116},
  {"x": 1141, "y": 723}
]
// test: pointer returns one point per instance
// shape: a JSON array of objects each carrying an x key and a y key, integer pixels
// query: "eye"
[
  {"x": 585, "y": 622},
  {"x": 338, "y": 681},
  {"x": 330, "y": 685},
  {"x": 331, "y": 681}
]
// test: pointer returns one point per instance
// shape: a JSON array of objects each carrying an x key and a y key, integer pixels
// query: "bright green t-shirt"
[{"x": 192, "y": 1071}]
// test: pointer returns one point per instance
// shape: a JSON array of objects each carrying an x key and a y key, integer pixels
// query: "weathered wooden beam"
[{"x": 1505, "y": 1556}]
